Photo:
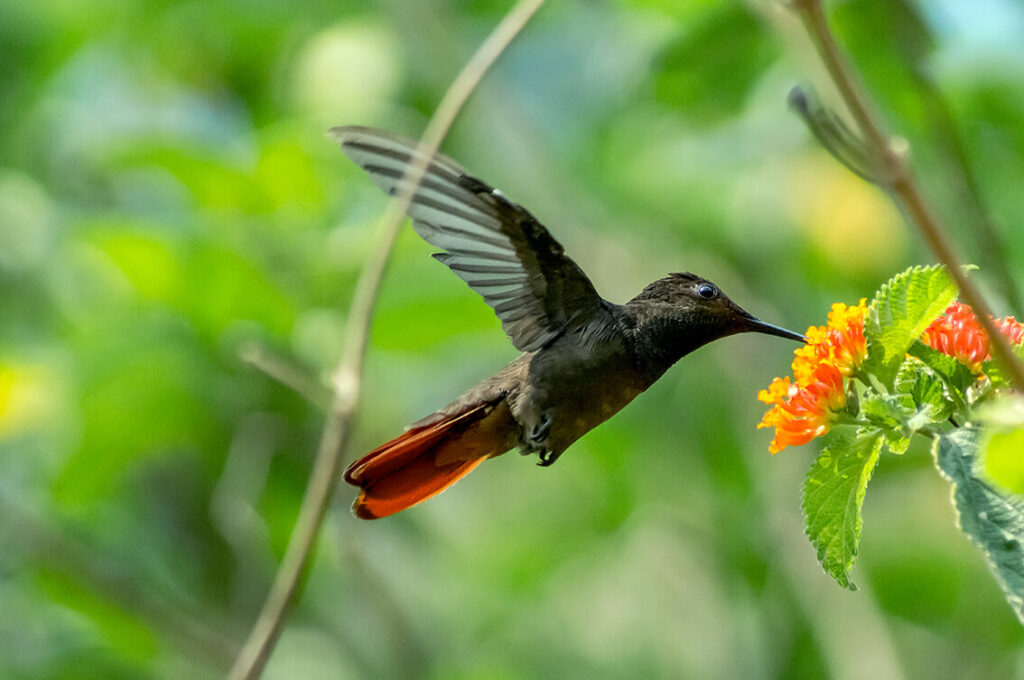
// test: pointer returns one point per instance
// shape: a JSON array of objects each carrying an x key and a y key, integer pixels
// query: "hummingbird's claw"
[
  {"x": 538, "y": 441},
  {"x": 540, "y": 430},
  {"x": 547, "y": 457}
]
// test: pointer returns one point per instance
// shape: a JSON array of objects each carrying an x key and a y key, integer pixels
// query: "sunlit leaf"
[
  {"x": 833, "y": 495},
  {"x": 902, "y": 309}
]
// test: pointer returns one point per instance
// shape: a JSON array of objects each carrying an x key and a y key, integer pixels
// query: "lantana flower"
[
  {"x": 807, "y": 408},
  {"x": 959, "y": 334},
  {"x": 1012, "y": 329}
]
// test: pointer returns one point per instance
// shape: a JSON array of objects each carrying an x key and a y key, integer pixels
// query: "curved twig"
[
  {"x": 346, "y": 378},
  {"x": 287, "y": 373}
]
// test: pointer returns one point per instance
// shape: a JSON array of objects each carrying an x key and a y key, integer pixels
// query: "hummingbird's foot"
[
  {"x": 547, "y": 458},
  {"x": 540, "y": 431},
  {"x": 537, "y": 442}
]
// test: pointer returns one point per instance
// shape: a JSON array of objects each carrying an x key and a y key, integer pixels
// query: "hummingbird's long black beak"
[{"x": 755, "y": 325}]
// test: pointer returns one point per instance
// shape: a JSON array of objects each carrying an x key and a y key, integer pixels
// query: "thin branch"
[
  {"x": 287, "y": 373},
  {"x": 892, "y": 169},
  {"x": 346, "y": 378}
]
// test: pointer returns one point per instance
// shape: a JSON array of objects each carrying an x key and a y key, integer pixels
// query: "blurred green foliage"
[{"x": 168, "y": 198}]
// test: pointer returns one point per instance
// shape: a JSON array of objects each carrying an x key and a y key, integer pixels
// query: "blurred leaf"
[
  {"x": 330, "y": 90},
  {"x": 29, "y": 397},
  {"x": 855, "y": 227},
  {"x": 833, "y": 494},
  {"x": 288, "y": 178},
  {"x": 26, "y": 222},
  {"x": 220, "y": 185},
  {"x": 895, "y": 23},
  {"x": 994, "y": 521},
  {"x": 125, "y": 633},
  {"x": 1005, "y": 412},
  {"x": 889, "y": 42},
  {"x": 148, "y": 261},
  {"x": 708, "y": 72},
  {"x": 1003, "y": 446},
  {"x": 221, "y": 287},
  {"x": 149, "y": 400},
  {"x": 900, "y": 312},
  {"x": 1004, "y": 459},
  {"x": 216, "y": 287},
  {"x": 995, "y": 107}
]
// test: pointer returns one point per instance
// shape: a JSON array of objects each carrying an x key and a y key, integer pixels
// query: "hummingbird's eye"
[{"x": 707, "y": 291}]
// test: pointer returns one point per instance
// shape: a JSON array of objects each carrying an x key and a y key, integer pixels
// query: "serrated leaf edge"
[{"x": 856, "y": 500}]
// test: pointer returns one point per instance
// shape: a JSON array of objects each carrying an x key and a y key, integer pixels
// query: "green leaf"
[
  {"x": 919, "y": 387},
  {"x": 884, "y": 410},
  {"x": 956, "y": 376},
  {"x": 833, "y": 495},
  {"x": 888, "y": 414},
  {"x": 918, "y": 399},
  {"x": 994, "y": 521},
  {"x": 901, "y": 311}
]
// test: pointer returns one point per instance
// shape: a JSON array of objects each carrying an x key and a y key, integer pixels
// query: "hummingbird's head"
[{"x": 702, "y": 310}]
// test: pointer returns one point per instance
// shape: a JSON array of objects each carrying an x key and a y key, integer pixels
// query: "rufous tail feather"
[{"x": 425, "y": 461}]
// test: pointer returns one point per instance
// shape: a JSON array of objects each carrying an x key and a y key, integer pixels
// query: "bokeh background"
[{"x": 169, "y": 202}]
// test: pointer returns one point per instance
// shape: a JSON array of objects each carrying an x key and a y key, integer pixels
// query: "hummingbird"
[{"x": 583, "y": 358}]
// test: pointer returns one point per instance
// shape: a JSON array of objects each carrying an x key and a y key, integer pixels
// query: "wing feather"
[{"x": 491, "y": 243}]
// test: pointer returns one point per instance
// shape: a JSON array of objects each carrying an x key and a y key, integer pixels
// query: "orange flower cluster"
[
  {"x": 806, "y": 409},
  {"x": 959, "y": 334},
  {"x": 1012, "y": 329}
]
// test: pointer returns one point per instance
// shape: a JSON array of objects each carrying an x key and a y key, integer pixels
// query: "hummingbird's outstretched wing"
[{"x": 491, "y": 243}]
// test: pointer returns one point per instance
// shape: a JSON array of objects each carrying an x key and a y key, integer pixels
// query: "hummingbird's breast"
[{"x": 576, "y": 384}]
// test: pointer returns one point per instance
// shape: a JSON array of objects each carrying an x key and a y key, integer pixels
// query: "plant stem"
[
  {"x": 287, "y": 373},
  {"x": 895, "y": 176},
  {"x": 346, "y": 378}
]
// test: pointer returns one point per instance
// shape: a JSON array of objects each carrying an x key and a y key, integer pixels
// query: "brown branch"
[
  {"x": 286, "y": 373},
  {"x": 346, "y": 378},
  {"x": 893, "y": 174}
]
